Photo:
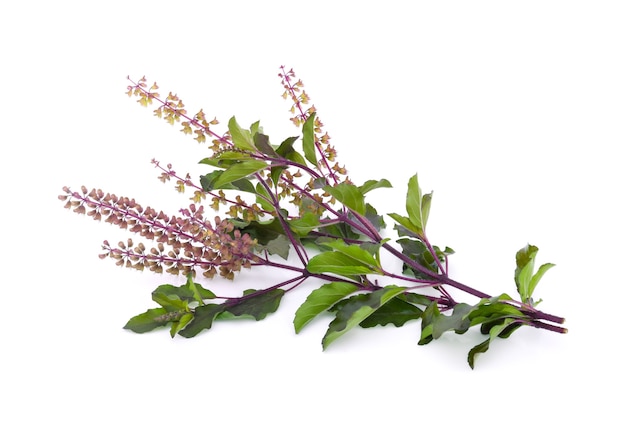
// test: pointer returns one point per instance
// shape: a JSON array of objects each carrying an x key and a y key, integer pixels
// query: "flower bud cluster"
[
  {"x": 172, "y": 110},
  {"x": 184, "y": 244}
]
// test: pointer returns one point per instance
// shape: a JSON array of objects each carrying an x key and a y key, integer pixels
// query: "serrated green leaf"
[
  {"x": 203, "y": 317},
  {"x": 397, "y": 311},
  {"x": 321, "y": 300},
  {"x": 308, "y": 139},
  {"x": 349, "y": 195},
  {"x": 414, "y": 205},
  {"x": 147, "y": 321},
  {"x": 238, "y": 171},
  {"x": 357, "y": 309},
  {"x": 338, "y": 263},
  {"x": 373, "y": 184},
  {"x": 241, "y": 137},
  {"x": 255, "y": 304}
]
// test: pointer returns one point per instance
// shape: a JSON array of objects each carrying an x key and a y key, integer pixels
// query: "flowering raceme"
[{"x": 193, "y": 242}]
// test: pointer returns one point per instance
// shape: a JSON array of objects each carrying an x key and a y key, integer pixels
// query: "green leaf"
[
  {"x": 229, "y": 157},
  {"x": 238, "y": 171},
  {"x": 414, "y": 298},
  {"x": 406, "y": 224},
  {"x": 255, "y": 303},
  {"x": 199, "y": 293},
  {"x": 262, "y": 143},
  {"x": 241, "y": 137},
  {"x": 484, "y": 346},
  {"x": 263, "y": 197},
  {"x": 349, "y": 195},
  {"x": 414, "y": 205},
  {"x": 191, "y": 291},
  {"x": 342, "y": 230},
  {"x": 456, "y": 321},
  {"x": 485, "y": 328},
  {"x": 207, "y": 180},
  {"x": 287, "y": 151},
  {"x": 145, "y": 322},
  {"x": 225, "y": 159},
  {"x": 308, "y": 139},
  {"x": 537, "y": 277},
  {"x": 263, "y": 231},
  {"x": 279, "y": 246},
  {"x": 397, "y": 311},
  {"x": 203, "y": 318},
  {"x": 355, "y": 252},
  {"x": 416, "y": 250},
  {"x": 426, "y": 200},
  {"x": 493, "y": 309},
  {"x": 321, "y": 300},
  {"x": 428, "y": 317},
  {"x": 255, "y": 128},
  {"x": 170, "y": 302},
  {"x": 523, "y": 258},
  {"x": 357, "y": 309},
  {"x": 208, "y": 183},
  {"x": 372, "y": 215},
  {"x": 373, "y": 184},
  {"x": 243, "y": 185},
  {"x": 180, "y": 324},
  {"x": 525, "y": 281},
  {"x": 338, "y": 263},
  {"x": 303, "y": 225}
]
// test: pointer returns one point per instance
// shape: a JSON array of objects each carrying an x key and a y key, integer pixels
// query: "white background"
[{"x": 511, "y": 112}]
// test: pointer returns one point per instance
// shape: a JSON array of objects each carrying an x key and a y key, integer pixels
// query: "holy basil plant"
[{"x": 291, "y": 206}]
